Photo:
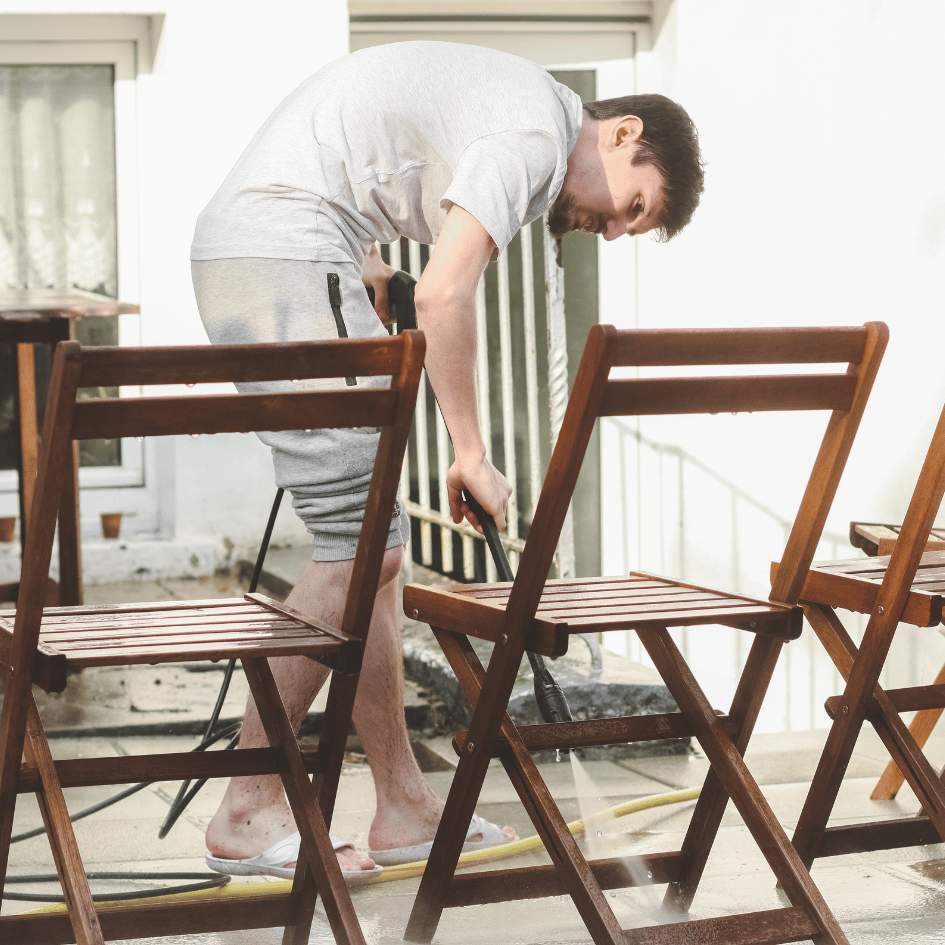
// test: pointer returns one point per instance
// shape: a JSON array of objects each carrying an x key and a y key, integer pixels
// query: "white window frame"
[{"x": 125, "y": 487}]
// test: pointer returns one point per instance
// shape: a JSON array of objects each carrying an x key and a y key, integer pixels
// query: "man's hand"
[
  {"x": 487, "y": 486},
  {"x": 375, "y": 274}
]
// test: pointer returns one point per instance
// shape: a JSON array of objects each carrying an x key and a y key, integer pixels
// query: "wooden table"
[{"x": 45, "y": 317}]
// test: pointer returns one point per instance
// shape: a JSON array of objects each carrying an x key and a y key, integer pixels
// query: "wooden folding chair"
[
  {"x": 40, "y": 646},
  {"x": 908, "y": 587},
  {"x": 537, "y": 614},
  {"x": 878, "y": 539}
]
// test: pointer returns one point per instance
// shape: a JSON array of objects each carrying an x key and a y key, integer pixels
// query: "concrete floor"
[{"x": 885, "y": 897}]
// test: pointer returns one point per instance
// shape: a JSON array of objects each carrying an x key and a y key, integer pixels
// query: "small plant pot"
[
  {"x": 111, "y": 524},
  {"x": 7, "y": 527}
]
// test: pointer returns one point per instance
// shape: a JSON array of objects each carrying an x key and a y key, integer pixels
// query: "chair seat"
[
  {"x": 876, "y": 539},
  {"x": 593, "y": 605},
  {"x": 173, "y": 632},
  {"x": 853, "y": 585}
]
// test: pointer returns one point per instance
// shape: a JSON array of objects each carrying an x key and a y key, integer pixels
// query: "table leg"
[
  {"x": 70, "y": 561},
  {"x": 27, "y": 430}
]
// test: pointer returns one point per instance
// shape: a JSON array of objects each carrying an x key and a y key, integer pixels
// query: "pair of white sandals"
[{"x": 275, "y": 861}]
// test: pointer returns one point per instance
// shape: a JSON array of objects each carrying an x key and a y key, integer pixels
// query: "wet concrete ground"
[{"x": 885, "y": 897}]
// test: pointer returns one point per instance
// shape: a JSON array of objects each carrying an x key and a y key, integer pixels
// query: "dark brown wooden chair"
[
  {"x": 876, "y": 539},
  {"x": 41, "y": 646},
  {"x": 534, "y": 613},
  {"x": 905, "y": 587}
]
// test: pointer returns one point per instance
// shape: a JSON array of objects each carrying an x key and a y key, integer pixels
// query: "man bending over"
[{"x": 457, "y": 147}]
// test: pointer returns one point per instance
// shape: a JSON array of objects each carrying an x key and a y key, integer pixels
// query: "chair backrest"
[
  {"x": 595, "y": 394},
  {"x": 69, "y": 419}
]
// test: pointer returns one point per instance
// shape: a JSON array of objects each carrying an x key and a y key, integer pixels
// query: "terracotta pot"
[
  {"x": 111, "y": 524},
  {"x": 7, "y": 527}
]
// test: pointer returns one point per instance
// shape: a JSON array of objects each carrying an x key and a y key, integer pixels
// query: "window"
[
  {"x": 69, "y": 211},
  {"x": 57, "y": 204}
]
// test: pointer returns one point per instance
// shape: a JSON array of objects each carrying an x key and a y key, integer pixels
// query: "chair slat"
[
  {"x": 114, "y": 367},
  {"x": 689, "y": 602},
  {"x": 65, "y": 639},
  {"x": 184, "y": 643},
  {"x": 233, "y": 413},
  {"x": 129, "y": 656},
  {"x": 650, "y": 348},
  {"x": 647, "y": 396}
]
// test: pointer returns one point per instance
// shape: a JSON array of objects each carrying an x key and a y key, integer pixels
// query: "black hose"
[
  {"x": 204, "y": 881},
  {"x": 185, "y": 794},
  {"x": 552, "y": 703}
]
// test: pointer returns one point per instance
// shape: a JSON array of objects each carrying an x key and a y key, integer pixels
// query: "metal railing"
[
  {"x": 518, "y": 430},
  {"x": 756, "y": 534}
]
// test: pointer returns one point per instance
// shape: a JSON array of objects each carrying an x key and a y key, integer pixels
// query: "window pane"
[{"x": 57, "y": 204}]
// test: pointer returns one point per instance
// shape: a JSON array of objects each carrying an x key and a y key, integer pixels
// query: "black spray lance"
[{"x": 551, "y": 700}]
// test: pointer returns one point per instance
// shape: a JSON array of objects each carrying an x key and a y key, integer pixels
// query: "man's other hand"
[
  {"x": 375, "y": 274},
  {"x": 486, "y": 484}
]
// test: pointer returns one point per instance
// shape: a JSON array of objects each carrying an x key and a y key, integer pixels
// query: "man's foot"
[
  {"x": 239, "y": 836},
  {"x": 401, "y": 837}
]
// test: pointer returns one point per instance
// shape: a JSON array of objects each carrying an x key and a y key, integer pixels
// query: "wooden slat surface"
[
  {"x": 852, "y": 584},
  {"x": 233, "y": 413},
  {"x": 773, "y": 927},
  {"x": 878, "y": 539},
  {"x": 113, "y": 367},
  {"x": 656, "y": 347},
  {"x": 638, "y": 600},
  {"x": 178, "y": 631},
  {"x": 638, "y": 397}
]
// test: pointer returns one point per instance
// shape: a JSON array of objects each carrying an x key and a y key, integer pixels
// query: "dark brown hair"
[{"x": 670, "y": 143}]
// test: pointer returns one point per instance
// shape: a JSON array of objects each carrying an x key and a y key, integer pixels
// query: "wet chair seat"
[
  {"x": 596, "y": 605},
  {"x": 174, "y": 631},
  {"x": 853, "y": 584}
]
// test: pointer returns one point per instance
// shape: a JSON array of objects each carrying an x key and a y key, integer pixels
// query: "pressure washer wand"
[{"x": 549, "y": 696}]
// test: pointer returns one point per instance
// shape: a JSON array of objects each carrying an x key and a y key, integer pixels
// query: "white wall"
[
  {"x": 208, "y": 76},
  {"x": 824, "y": 204}
]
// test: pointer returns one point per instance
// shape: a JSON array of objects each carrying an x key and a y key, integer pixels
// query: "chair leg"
[
  {"x": 316, "y": 845},
  {"x": 332, "y": 742},
  {"x": 707, "y": 816},
  {"x": 454, "y": 822},
  {"x": 920, "y": 728},
  {"x": 69, "y": 866},
  {"x": 489, "y": 716},
  {"x": 543, "y": 810},
  {"x": 12, "y": 738},
  {"x": 740, "y": 785},
  {"x": 841, "y": 741}
]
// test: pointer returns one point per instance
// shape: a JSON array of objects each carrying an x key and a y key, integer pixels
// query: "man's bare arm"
[
  {"x": 375, "y": 274},
  {"x": 446, "y": 311}
]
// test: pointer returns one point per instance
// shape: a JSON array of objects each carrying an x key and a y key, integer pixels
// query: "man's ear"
[{"x": 627, "y": 130}]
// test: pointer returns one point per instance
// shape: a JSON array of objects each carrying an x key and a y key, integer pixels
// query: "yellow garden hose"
[{"x": 415, "y": 868}]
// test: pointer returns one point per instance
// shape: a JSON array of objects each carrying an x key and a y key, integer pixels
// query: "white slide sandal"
[
  {"x": 491, "y": 836},
  {"x": 275, "y": 860}
]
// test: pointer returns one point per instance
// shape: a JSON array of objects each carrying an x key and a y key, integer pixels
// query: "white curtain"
[{"x": 57, "y": 177}]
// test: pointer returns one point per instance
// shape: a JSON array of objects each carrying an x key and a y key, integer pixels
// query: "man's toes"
[
  {"x": 350, "y": 859},
  {"x": 508, "y": 833}
]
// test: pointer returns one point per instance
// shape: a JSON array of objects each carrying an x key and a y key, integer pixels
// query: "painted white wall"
[
  {"x": 209, "y": 75},
  {"x": 824, "y": 204}
]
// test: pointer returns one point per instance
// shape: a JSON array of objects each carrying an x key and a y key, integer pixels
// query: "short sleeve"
[{"x": 504, "y": 180}]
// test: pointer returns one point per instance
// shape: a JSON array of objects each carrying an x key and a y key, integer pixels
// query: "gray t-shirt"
[{"x": 381, "y": 143}]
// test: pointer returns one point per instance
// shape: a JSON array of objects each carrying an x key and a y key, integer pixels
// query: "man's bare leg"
[{"x": 254, "y": 813}]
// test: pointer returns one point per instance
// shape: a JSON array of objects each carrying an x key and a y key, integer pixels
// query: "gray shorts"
[{"x": 327, "y": 472}]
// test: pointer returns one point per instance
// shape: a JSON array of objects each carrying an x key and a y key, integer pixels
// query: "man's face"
[{"x": 604, "y": 192}]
